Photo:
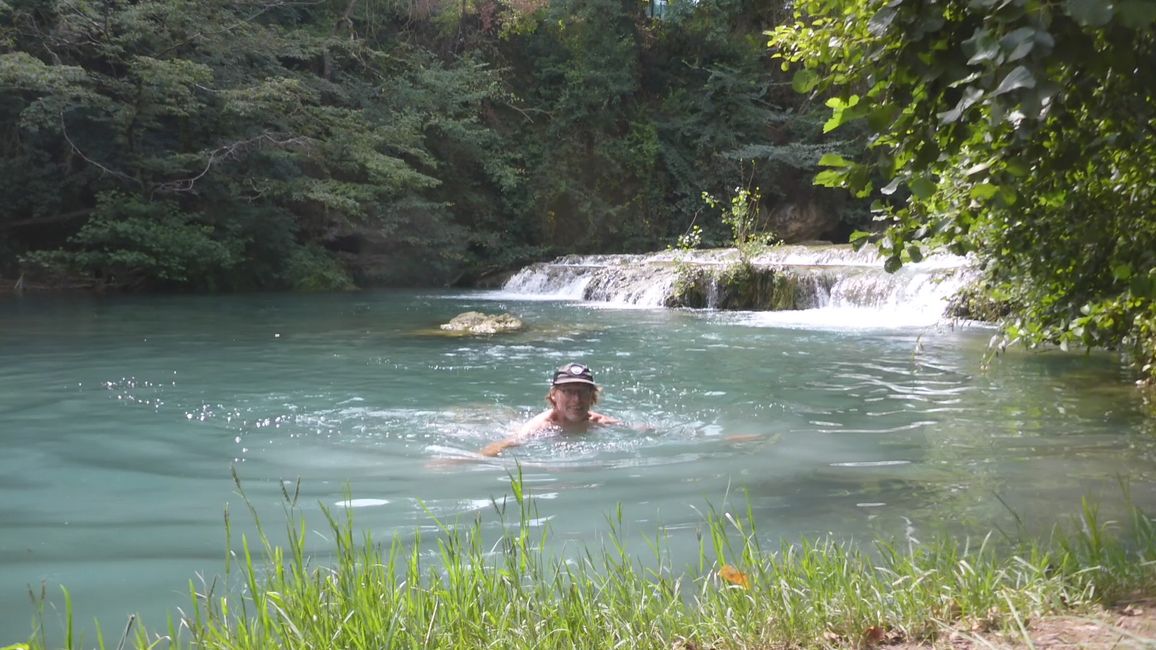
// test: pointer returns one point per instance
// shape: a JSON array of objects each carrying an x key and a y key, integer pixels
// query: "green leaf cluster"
[{"x": 1019, "y": 131}]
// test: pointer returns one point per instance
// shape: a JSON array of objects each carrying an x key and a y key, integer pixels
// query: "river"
[{"x": 122, "y": 419}]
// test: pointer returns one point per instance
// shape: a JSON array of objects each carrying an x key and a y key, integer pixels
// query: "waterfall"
[{"x": 785, "y": 278}]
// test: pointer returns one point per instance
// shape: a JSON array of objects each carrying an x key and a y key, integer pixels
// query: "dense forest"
[
  {"x": 324, "y": 144},
  {"x": 268, "y": 144}
]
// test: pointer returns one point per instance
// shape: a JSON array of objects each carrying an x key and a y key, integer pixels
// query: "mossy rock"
[
  {"x": 479, "y": 323},
  {"x": 743, "y": 287},
  {"x": 975, "y": 302}
]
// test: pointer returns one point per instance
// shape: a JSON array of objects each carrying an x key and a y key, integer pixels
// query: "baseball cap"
[{"x": 573, "y": 373}]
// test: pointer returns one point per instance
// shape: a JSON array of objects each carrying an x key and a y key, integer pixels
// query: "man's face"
[{"x": 572, "y": 402}]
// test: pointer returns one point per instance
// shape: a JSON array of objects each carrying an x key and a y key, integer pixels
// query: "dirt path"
[{"x": 1129, "y": 627}]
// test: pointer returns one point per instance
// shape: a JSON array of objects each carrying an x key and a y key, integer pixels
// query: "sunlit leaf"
[
  {"x": 830, "y": 178},
  {"x": 734, "y": 576},
  {"x": 833, "y": 160},
  {"x": 984, "y": 191},
  {"x": 977, "y": 168}
]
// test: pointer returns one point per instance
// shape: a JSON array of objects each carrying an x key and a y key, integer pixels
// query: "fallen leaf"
[
  {"x": 873, "y": 634},
  {"x": 734, "y": 576}
]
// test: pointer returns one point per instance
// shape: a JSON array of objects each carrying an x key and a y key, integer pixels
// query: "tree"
[
  {"x": 294, "y": 143},
  {"x": 1017, "y": 130}
]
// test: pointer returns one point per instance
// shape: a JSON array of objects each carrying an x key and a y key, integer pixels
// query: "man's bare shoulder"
[{"x": 536, "y": 424}]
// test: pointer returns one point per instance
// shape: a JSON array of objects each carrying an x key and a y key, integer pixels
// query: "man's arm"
[
  {"x": 495, "y": 448},
  {"x": 535, "y": 424}
]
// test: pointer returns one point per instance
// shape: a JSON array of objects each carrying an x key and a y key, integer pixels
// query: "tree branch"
[
  {"x": 77, "y": 151},
  {"x": 225, "y": 152},
  {"x": 56, "y": 218}
]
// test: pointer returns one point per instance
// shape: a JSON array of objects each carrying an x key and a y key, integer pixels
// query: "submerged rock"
[{"x": 476, "y": 322}]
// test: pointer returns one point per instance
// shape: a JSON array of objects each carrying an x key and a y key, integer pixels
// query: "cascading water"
[{"x": 826, "y": 281}]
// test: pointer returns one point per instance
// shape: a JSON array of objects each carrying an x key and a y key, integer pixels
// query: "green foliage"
[
  {"x": 128, "y": 242},
  {"x": 217, "y": 113},
  {"x": 462, "y": 588},
  {"x": 313, "y": 269},
  {"x": 1017, "y": 131},
  {"x": 405, "y": 142},
  {"x": 748, "y": 231}
]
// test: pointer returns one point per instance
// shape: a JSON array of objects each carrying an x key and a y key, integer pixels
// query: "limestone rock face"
[
  {"x": 802, "y": 222},
  {"x": 476, "y": 322}
]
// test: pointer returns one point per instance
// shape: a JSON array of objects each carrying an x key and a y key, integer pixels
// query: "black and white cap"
[{"x": 573, "y": 373}]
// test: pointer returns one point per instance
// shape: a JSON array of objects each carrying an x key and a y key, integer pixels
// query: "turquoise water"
[{"x": 121, "y": 419}]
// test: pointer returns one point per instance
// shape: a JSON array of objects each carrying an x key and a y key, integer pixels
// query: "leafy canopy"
[{"x": 1017, "y": 130}]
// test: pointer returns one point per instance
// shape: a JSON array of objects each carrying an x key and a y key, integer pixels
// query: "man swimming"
[{"x": 572, "y": 394}]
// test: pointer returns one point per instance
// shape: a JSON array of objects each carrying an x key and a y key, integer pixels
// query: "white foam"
[{"x": 361, "y": 503}]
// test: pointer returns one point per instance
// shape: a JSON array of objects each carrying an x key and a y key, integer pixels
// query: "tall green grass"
[{"x": 456, "y": 590}]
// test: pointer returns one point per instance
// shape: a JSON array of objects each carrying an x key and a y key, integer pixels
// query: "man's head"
[{"x": 572, "y": 392}]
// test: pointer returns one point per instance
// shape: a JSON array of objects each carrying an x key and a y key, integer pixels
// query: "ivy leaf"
[
  {"x": 881, "y": 21},
  {"x": 971, "y": 95},
  {"x": 830, "y": 178},
  {"x": 882, "y": 116},
  {"x": 1090, "y": 13},
  {"x": 1142, "y": 286},
  {"x": 1019, "y": 43},
  {"x": 842, "y": 111},
  {"x": 984, "y": 191},
  {"x": 921, "y": 187},
  {"x": 1136, "y": 13},
  {"x": 985, "y": 46},
  {"x": 805, "y": 81},
  {"x": 977, "y": 168},
  {"x": 859, "y": 238},
  {"x": 1019, "y": 77},
  {"x": 833, "y": 160},
  {"x": 915, "y": 253},
  {"x": 1122, "y": 271}
]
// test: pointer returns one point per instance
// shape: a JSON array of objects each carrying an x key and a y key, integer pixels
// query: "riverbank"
[{"x": 1089, "y": 585}]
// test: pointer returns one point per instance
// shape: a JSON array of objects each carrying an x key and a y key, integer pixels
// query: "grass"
[{"x": 515, "y": 594}]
